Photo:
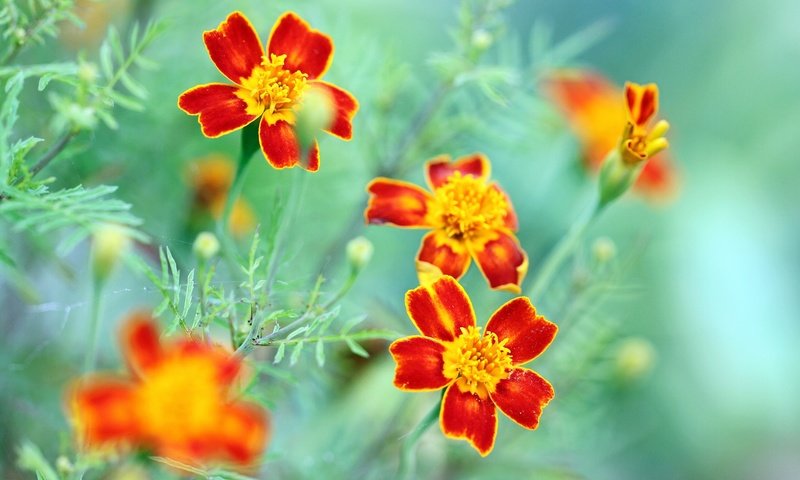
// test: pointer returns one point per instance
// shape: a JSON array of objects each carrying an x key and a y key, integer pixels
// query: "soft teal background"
[{"x": 715, "y": 284}]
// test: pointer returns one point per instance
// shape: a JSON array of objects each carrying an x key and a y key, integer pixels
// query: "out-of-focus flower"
[
  {"x": 205, "y": 246},
  {"x": 598, "y": 112},
  {"x": 269, "y": 85},
  {"x": 359, "y": 252},
  {"x": 470, "y": 218},
  {"x": 479, "y": 372},
  {"x": 210, "y": 178},
  {"x": 176, "y": 403},
  {"x": 634, "y": 359}
]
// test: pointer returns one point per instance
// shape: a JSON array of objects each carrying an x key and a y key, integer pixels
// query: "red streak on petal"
[
  {"x": 346, "y": 107},
  {"x": 397, "y": 203},
  {"x": 450, "y": 256},
  {"x": 522, "y": 396},
  {"x": 466, "y": 416},
  {"x": 234, "y": 47},
  {"x": 419, "y": 364},
  {"x": 528, "y": 334},
  {"x": 502, "y": 261},
  {"x": 306, "y": 49},
  {"x": 441, "y": 309},
  {"x": 220, "y": 110},
  {"x": 439, "y": 169},
  {"x": 281, "y": 148}
]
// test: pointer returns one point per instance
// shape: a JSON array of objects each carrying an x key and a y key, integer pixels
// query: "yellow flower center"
[
  {"x": 273, "y": 90},
  {"x": 466, "y": 206},
  {"x": 476, "y": 362},
  {"x": 179, "y": 398}
]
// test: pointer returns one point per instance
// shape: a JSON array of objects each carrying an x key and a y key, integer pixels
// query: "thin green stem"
[
  {"x": 90, "y": 360},
  {"x": 408, "y": 455},
  {"x": 562, "y": 251}
]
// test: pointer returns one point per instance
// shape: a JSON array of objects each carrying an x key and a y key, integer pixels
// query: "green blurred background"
[{"x": 715, "y": 274}]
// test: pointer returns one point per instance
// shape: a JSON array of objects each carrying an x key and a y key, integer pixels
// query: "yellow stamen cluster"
[
  {"x": 476, "y": 362},
  {"x": 162, "y": 397},
  {"x": 273, "y": 90},
  {"x": 466, "y": 206},
  {"x": 640, "y": 144}
]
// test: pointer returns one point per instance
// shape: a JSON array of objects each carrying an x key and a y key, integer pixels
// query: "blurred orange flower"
[
  {"x": 176, "y": 403},
  {"x": 598, "y": 112},
  {"x": 210, "y": 178},
  {"x": 268, "y": 85},
  {"x": 479, "y": 372},
  {"x": 470, "y": 218}
]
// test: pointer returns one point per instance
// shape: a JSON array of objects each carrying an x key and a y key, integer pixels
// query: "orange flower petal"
[
  {"x": 243, "y": 433},
  {"x": 441, "y": 309},
  {"x": 522, "y": 396},
  {"x": 281, "y": 148},
  {"x": 501, "y": 259},
  {"x": 346, "y": 107},
  {"x": 140, "y": 343},
  {"x": 307, "y": 50},
  {"x": 398, "y": 203},
  {"x": 218, "y": 108},
  {"x": 450, "y": 256},
  {"x": 439, "y": 169},
  {"x": 234, "y": 47},
  {"x": 419, "y": 364},
  {"x": 658, "y": 179},
  {"x": 101, "y": 409},
  {"x": 528, "y": 334},
  {"x": 465, "y": 415}
]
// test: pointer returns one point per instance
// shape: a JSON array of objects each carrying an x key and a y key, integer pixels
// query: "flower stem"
[
  {"x": 562, "y": 251},
  {"x": 408, "y": 454},
  {"x": 90, "y": 360}
]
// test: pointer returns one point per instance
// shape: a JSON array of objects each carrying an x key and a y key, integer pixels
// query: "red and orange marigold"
[
  {"x": 469, "y": 217},
  {"x": 176, "y": 403},
  {"x": 268, "y": 85},
  {"x": 479, "y": 373},
  {"x": 598, "y": 112}
]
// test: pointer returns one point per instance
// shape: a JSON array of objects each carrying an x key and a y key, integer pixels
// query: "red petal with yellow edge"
[
  {"x": 658, "y": 179},
  {"x": 451, "y": 256},
  {"x": 234, "y": 47},
  {"x": 307, "y": 50},
  {"x": 439, "y": 169},
  {"x": 465, "y": 415},
  {"x": 593, "y": 106},
  {"x": 397, "y": 203},
  {"x": 141, "y": 343},
  {"x": 441, "y": 309},
  {"x": 528, "y": 334},
  {"x": 522, "y": 396},
  {"x": 101, "y": 410},
  {"x": 220, "y": 110},
  {"x": 281, "y": 148},
  {"x": 243, "y": 432},
  {"x": 510, "y": 219},
  {"x": 501, "y": 259},
  {"x": 642, "y": 102},
  {"x": 346, "y": 107},
  {"x": 419, "y": 364}
]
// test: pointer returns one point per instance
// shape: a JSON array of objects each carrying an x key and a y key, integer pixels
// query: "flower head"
[
  {"x": 269, "y": 85},
  {"x": 469, "y": 218},
  {"x": 176, "y": 403},
  {"x": 479, "y": 372},
  {"x": 604, "y": 117}
]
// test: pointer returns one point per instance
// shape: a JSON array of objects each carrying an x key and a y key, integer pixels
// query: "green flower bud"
[
  {"x": 359, "y": 252},
  {"x": 109, "y": 243},
  {"x": 634, "y": 359},
  {"x": 206, "y": 246},
  {"x": 604, "y": 250},
  {"x": 314, "y": 114},
  {"x": 481, "y": 40}
]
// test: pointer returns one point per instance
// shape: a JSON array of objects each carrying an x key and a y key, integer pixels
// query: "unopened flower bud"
[
  {"x": 64, "y": 466},
  {"x": 604, "y": 250},
  {"x": 481, "y": 40},
  {"x": 635, "y": 357},
  {"x": 359, "y": 252},
  {"x": 81, "y": 117},
  {"x": 109, "y": 243},
  {"x": 19, "y": 35},
  {"x": 315, "y": 114},
  {"x": 206, "y": 246},
  {"x": 87, "y": 72}
]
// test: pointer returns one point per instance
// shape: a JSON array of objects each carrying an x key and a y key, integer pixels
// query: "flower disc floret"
[
  {"x": 477, "y": 362},
  {"x": 273, "y": 89},
  {"x": 467, "y": 207}
]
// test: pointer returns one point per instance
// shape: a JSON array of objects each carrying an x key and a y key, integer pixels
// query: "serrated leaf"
[
  {"x": 356, "y": 348},
  {"x": 320, "y": 353},
  {"x": 279, "y": 354}
]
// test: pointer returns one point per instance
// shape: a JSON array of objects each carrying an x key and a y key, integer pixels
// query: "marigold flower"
[
  {"x": 470, "y": 218},
  {"x": 598, "y": 112},
  {"x": 268, "y": 85},
  {"x": 211, "y": 178},
  {"x": 176, "y": 403},
  {"x": 479, "y": 372}
]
